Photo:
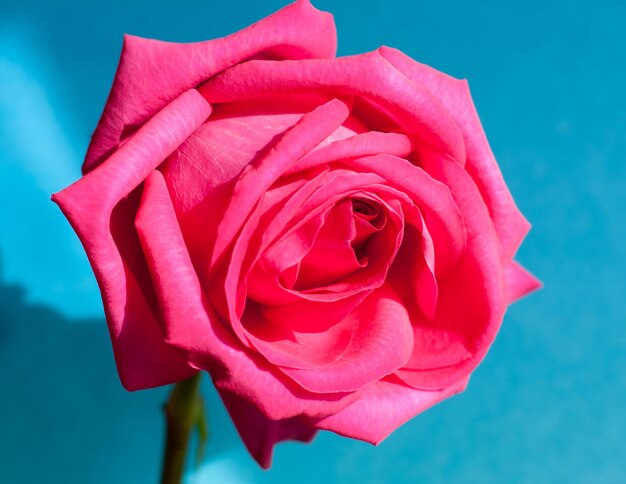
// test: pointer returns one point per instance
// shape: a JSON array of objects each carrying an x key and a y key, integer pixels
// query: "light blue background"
[{"x": 547, "y": 405}]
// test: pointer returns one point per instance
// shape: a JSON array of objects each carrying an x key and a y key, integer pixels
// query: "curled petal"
[
  {"x": 152, "y": 73},
  {"x": 125, "y": 169},
  {"x": 186, "y": 318},
  {"x": 101, "y": 211},
  {"x": 434, "y": 348}
]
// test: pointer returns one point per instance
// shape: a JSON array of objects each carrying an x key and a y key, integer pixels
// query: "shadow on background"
[{"x": 65, "y": 416}]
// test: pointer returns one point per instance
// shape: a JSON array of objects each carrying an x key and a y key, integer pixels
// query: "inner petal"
[
  {"x": 365, "y": 209},
  {"x": 368, "y": 238},
  {"x": 332, "y": 255},
  {"x": 368, "y": 219}
]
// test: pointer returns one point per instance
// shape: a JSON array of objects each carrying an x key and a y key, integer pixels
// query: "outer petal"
[
  {"x": 519, "y": 282},
  {"x": 368, "y": 77},
  {"x": 259, "y": 433},
  {"x": 152, "y": 73},
  {"x": 454, "y": 95},
  {"x": 108, "y": 235},
  {"x": 235, "y": 370},
  {"x": 382, "y": 408}
]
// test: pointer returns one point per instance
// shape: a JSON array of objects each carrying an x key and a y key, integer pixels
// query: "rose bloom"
[{"x": 330, "y": 238}]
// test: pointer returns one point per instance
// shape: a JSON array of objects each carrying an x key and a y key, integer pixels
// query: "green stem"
[{"x": 182, "y": 411}]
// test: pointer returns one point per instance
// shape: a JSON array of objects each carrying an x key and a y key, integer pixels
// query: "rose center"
[
  {"x": 340, "y": 247},
  {"x": 364, "y": 208}
]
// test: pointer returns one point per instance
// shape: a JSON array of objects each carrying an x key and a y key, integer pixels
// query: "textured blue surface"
[{"x": 547, "y": 405}]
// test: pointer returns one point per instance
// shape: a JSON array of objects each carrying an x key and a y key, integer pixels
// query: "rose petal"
[
  {"x": 263, "y": 273},
  {"x": 239, "y": 265},
  {"x": 246, "y": 375},
  {"x": 454, "y": 95},
  {"x": 151, "y": 73},
  {"x": 258, "y": 177},
  {"x": 433, "y": 348},
  {"x": 261, "y": 434},
  {"x": 143, "y": 152},
  {"x": 440, "y": 212},
  {"x": 310, "y": 316},
  {"x": 331, "y": 256},
  {"x": 316, "y": 309},
  {"x": 143, "y": 358},
  {"x": 186, "y": 318},
  {"x": 232, "y": 368},
  {"x": 519, "y": 282},
  {"x": 286, "y": 347},
  {"x": 471, "y": 298},
  {"x": 368, "y": 76},
  {"x": 217, "y": 152},
  {"x": 382, "y": 407},
  {"x": 201, "y": 173},
  {"x": 359, "y": 145},
  {"x": 288, "y": 252},
  {"x": 382, "y": 343},
  {"x": 412, "y": 273}
]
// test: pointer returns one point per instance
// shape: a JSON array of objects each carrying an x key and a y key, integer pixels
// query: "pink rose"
[{"x": 331, "y": 239}]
